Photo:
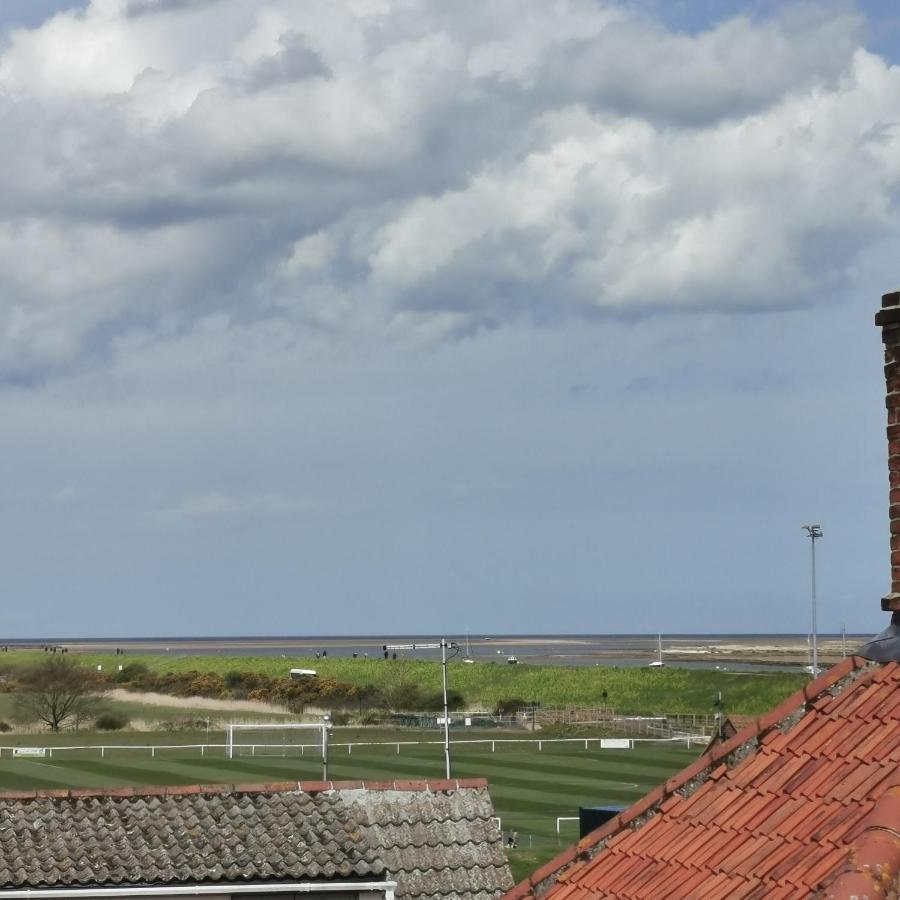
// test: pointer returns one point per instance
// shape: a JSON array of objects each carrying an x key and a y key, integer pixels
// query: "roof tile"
[
  {"x": 207, "y": 834},
  {"x": 776, "y": 820}
]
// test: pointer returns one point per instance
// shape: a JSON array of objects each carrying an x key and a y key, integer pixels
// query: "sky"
[{"x": 397, "y": 316}]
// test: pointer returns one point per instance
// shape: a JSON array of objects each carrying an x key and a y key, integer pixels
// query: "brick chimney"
[{"x": 886, "y": 646}]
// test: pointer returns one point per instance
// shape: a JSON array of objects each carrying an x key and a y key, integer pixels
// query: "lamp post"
[{"x": 814, "y": 531}]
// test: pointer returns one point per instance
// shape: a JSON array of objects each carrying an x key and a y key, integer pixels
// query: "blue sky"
[{"x": 316, "y": 318}]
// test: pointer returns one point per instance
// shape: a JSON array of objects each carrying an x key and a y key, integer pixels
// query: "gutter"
[{"x": 386, "y": 888}]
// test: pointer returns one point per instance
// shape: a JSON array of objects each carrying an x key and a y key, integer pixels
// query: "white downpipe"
[{"x": 197, "y": 890}]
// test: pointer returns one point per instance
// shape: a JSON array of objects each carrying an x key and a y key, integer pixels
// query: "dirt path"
[{"x": 151, "y": 699}]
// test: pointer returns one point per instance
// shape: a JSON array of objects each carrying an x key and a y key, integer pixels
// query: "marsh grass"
[{"x": 632, "y": 691}]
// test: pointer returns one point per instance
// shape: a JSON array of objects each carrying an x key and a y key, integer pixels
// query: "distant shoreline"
[{"x": 748, "y": 651}]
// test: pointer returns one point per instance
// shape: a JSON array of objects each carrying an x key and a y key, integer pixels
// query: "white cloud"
[
  {"x": 216, "y": 505},
  {"x": 66, "y": 496},
  {"x": 408, "y": 171}
]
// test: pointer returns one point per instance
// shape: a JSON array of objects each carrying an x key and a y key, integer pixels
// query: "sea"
[{"x": 737, "y": 652}]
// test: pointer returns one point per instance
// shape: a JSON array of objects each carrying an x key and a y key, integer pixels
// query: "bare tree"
[{"x": 58, "y": 691}]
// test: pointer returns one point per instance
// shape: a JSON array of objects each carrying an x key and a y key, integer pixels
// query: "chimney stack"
[{"x": 886, "y": 646}]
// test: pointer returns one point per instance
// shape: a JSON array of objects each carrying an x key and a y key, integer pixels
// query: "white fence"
[{"x": 261, "y": 749}]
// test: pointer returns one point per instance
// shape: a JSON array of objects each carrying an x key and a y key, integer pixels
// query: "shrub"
[
  {"x": 435, "y": 702},
  {"x": 234, "y": 679},
  {"x": 133, "y": 673},
  {"x": 369, "y": 718},
  {"x": 5, "y": 726},
  {"x": 509, "y": 706},
  {"x": 110, "y": 721},
  {"x": 182, "y": 725}
]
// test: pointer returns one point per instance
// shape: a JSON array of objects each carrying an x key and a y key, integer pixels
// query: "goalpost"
[{"x": 272, "y": 739}]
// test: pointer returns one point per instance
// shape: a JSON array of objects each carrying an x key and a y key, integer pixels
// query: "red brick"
[
  {"x": 471, "y": 782},
  {"x": 379, "y": 785},
  {"x": 441, "y": 784},
  {"x": 313, "y": 787}
]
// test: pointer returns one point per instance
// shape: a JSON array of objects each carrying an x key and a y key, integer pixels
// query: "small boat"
[
  {"x": 658, "y": 662},
  {"x": 512, "y": 660},
  {"x": 468, "y": 657}
]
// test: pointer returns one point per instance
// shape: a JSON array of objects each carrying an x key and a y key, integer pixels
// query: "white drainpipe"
[{"x": 386, "y": 888}]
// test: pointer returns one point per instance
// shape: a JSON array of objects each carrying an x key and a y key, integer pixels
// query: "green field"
[
  {"x": 638, "y": 691},
  {"x": 529, "y": 788}
]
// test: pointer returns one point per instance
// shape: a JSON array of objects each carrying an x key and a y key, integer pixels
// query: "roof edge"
[
  {"x": 708, "y": 761},
  {"x": 431, "y": 785}
]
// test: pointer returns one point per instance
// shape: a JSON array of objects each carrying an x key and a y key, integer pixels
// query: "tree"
[{"x": 58, "y": 691}]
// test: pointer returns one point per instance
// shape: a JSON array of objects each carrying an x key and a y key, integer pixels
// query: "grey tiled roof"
[{"x": 435, "y": 839}]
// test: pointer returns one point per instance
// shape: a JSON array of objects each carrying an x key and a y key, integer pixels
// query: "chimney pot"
[
  {"x": 888, "y": 318},
  {"x": 892, "y": 299}
]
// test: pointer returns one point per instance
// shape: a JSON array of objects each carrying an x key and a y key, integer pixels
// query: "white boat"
[
  {"x": 658, "y": 662},
  {"x": 512, "y": 660},
  {"x": 468, "y": 657}
]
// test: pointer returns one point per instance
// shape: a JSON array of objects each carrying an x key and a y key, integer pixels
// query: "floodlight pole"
[
  {"x": 443, "y": 645},
  {"x": 814, "y": 531}
]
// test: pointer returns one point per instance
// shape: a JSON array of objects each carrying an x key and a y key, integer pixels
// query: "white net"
[{"x": 282, "y": 740}]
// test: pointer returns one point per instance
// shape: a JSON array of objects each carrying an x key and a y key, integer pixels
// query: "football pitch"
[{"x": 530, "y": 789}]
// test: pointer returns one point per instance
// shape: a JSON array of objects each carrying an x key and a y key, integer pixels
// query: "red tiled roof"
[{"x": 804, "y": 802}]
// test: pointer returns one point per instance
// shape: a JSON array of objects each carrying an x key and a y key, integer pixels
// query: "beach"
[{"x": 694, "y": 651}]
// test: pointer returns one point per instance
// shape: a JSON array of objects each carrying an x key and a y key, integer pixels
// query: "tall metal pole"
[
  {"x": 446, "y": 707},
  {"x": 443, "y": 645},
  {"x": 814, "y": 531},
  {"x": 815, "y": 659}
]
